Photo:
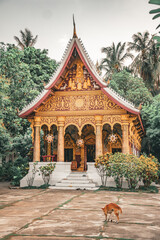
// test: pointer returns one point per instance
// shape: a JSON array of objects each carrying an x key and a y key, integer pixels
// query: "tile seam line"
[{"x": 35, "y": 219}]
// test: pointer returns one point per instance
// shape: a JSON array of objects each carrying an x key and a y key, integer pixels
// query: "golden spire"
[{"x": 74, "y": 28}]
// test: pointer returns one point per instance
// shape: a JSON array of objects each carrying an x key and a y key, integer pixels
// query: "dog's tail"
[{"x": 120, "y": 210}]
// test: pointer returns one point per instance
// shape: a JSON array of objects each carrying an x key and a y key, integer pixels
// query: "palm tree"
[
  {"x": 114, "y": 60},
  {"x": 27, "y": 39},
  {"x": 154, "y": 54},
  {"x": 146, "y": 63}
]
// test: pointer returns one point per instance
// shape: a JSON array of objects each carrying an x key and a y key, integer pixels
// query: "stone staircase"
[{"x": 75, "y": 181}]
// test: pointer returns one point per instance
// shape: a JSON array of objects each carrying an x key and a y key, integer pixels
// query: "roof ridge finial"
[{"x": 74, "y": 28}]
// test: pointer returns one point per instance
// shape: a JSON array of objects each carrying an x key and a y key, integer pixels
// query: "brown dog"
[{"x": 110, "y": 209}]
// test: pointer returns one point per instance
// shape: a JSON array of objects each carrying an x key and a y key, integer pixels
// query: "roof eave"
[
  {"x": 24, "y": 113},
  {"x": 131, "y": 110}
]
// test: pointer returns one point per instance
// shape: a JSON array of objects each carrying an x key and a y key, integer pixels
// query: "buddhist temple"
[{"x": 78, "y": 117}]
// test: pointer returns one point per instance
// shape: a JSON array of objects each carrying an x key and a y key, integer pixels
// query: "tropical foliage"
[
  {"x": 27, "y": 39},
  {"x": 128, "y": 167},
  {"x": 130, "y": 87},
  {"x": 146, "y": 63},
  {"x": 23, "y": 74},
  {"x": 150, "y": 168},
  {"x": 103, "y": 167},
  {"x": 46, "y": 171},
  {"x": 114, "y": 60},
  {"x": 151, "y": 120}
]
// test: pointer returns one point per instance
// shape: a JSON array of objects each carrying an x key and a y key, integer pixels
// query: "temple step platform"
[{"x": 76, "y": 181}]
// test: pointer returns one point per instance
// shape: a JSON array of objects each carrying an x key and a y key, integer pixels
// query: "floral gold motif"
[{"x": 79, "y": 102}]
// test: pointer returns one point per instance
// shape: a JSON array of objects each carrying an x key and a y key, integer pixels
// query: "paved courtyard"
[{"x": 76, "y": 215}]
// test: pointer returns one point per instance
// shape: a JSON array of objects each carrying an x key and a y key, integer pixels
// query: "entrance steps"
[{"x": 76, "y": 181}]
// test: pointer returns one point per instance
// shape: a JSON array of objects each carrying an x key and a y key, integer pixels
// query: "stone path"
[{"x": 76, "y": 215}]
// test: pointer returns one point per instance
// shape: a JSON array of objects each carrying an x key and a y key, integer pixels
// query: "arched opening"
[
  {"x": 54, "y": 133},
  {"x": 43, "y": 143},
  {"x": 112, "y": 139},
  {"x": 88, "y": 136},
  {"x": 70, "y": 138},
  {"x": 49, "y": 143},
  {"x": 105, "y": 138},
  {"x": 117, "y": 144}
]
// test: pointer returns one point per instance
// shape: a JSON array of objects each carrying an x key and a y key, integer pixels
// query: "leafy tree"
[
  {"x": 157, "y": 15},
  {"x": 151, "y": 121},
  {"x": 114, "y": 60},
  {"x": 27, "y": 39},
  {"x": 155, "y": 11},
  {"x": 146, "y": 63},
  {"x": 23, "y": 74},
  {"x": 130, "y": 87},
  {"x": 41, "y": 67}
]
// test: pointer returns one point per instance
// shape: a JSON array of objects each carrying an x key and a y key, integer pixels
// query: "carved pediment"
[
  {"x": 77, "y": 78},
  {"x": 95, "y": 101}
]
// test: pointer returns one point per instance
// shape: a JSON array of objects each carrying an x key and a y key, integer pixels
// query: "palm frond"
[{"x": 19, "y": 42}]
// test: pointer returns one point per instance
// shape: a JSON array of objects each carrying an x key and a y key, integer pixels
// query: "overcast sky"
[{"x": 98, "y": 22}]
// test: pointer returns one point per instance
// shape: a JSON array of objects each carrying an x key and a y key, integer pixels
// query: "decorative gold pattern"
[
  {"x": 73, "y": 120},
  {"x": 112, "y": 119},
  {"x": 48, "y": 120},
  {"x": 77, "y": 78},
  {"x": 79, "y": 102},
  {"x": 79, "y": 121}
]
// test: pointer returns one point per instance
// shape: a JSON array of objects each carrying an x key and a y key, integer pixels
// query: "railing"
[{"x": 51, "y": 158}]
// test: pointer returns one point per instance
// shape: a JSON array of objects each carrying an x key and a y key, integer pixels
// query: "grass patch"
[
  {"x": 44, "y": 186},
  {"x": 150, "y": 189},
  {"x": 9, "y": 204},
  {"x": 73, "y": 236},
  {"x": 7, "y": 237},
  {"x": 143, "y": 205},
  {"x": 38, "y": 218},
  {"x": 61, "y": 205},
  {"x": 26, "y": 226}
]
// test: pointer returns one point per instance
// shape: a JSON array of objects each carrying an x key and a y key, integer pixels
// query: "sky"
[{"x": 98, "y": 22}]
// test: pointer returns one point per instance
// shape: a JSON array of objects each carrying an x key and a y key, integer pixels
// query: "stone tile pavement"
[{"x": 38, "y": 214}]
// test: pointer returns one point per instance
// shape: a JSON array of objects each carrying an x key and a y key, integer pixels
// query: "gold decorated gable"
[
  {"x": 93, "y": 100},
  {"x": 76, "y": 90},
  {"x": 76, "y": 77}
]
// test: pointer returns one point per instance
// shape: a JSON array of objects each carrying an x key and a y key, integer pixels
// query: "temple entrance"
[
  {"x": 89, "y": 144},
  {"x": 68, "y": 155},
  {"x": 90, "y": 153},
  {"x": 48, "y": 142},
  {"x": 72, "y": 152}
]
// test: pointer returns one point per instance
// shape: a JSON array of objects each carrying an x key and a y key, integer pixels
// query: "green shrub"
[
  {"x": 14, "y": 171},
  {"x": 17, "y": 176},
  {"x": 103, "y": 167},
  {"x": 47, "y": 171},
  {"x": 126, "y": 166},
  {"x": 6, "y": 171},
  {"x": 118, "y": 168},
  {"x": 133, "y": 169},
  {"x": 150, "y": 171}
]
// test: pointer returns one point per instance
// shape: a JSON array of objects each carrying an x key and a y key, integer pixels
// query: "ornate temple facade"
[{"x": 81, "y": 114}]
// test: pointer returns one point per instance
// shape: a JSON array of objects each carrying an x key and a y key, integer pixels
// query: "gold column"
[
  {"x": 60, "y": 152},
  {"x": 48, "y": 151},
  {"x": 98, "y": 120},
  {"x": 125, "y": 134},
  {"x": 48, "y": 148},
  {"x": 37, "y": 128}
]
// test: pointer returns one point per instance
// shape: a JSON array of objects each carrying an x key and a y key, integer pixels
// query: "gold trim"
[{"x": 79, "y": 113}]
